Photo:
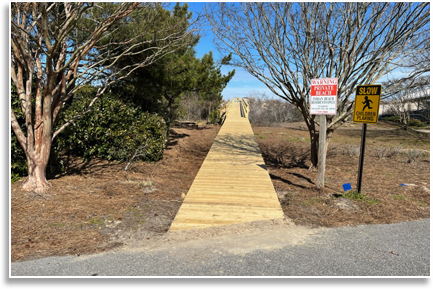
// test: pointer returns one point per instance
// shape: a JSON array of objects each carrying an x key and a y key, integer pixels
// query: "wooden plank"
[{"x": 233, "y": 184}]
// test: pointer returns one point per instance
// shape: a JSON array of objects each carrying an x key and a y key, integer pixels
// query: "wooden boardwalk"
[{"x": 233, "y": 184}]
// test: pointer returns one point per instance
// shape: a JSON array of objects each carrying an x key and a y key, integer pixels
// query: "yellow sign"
[{"x": 367, "y": 100}]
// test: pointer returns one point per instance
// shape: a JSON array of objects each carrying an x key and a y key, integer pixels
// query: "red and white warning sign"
[{"x": 323, "y": 97}]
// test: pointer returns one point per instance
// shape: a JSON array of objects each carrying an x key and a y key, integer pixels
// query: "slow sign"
[
  {"x": 365, "y": 110},
  {"x": 367, "y": 100}
]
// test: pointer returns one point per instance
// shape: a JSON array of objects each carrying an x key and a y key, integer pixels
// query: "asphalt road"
[{"x": 370, "y": 250}]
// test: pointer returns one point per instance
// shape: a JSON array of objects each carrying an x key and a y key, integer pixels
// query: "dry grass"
[
  {"x": 93, "y": 206},
  {"x": 96, "y": 205},
  {"x": 386, "y": 167}
]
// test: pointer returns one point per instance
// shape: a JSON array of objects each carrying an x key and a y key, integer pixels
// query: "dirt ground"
[
  {"x": 395, "y": 179},
  {"x": 97, "y": 206}
]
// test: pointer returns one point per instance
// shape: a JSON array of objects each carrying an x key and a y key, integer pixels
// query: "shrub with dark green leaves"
[
  {"x": 18, "y": 157},
  {"x": 113, "y": 130}
]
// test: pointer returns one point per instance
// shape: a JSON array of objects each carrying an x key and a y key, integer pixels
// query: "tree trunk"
[
  {"x": 54, "y": 70},
  {"x": 37, "y": 154},
  {"x": 37, "y": 162},
  {"x": 314, "y": 141},
  {"x": 37, "y": 180}
]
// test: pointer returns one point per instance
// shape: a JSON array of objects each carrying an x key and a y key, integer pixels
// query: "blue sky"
[{"x": 242, "y": 84}]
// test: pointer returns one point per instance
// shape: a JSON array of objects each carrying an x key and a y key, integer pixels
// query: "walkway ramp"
[{"x": 233, "y": 184}]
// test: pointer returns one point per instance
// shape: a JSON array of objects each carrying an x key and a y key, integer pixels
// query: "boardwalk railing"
[
  {"x": 225, "y": 111},
  {"x": 245, "y": 107}
]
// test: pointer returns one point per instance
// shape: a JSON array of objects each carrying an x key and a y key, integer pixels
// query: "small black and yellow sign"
[{"x": 367, "y": 101}]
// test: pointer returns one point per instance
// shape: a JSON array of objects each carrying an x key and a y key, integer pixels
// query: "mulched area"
[{"x": 96, "y": 206}]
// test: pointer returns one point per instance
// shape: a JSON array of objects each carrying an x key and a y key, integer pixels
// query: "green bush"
[
  {"x": 393, "y": 118},
  {"x": 113, "y": 130},
  {"x": 417, "y": 123},
  {"x": 214, "y": 116},
  {"x": 18, "y": 157}
]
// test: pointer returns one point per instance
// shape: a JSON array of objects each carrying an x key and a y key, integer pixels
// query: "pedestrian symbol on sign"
[
  {"x": 367, "y": 103},
  {"x": 371, "y": 96}
]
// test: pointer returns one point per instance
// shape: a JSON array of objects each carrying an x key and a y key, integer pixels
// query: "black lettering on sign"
[{"x": 369, "y": 90}]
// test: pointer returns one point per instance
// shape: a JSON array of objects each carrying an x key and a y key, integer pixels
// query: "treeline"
[
  {"x": 266, "y": 111},
  {"x": 123, "y": 104},
  {"x": 166, "y": 76}
]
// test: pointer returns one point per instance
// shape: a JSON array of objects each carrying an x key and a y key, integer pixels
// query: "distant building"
[{"x": 411, "y": 102}]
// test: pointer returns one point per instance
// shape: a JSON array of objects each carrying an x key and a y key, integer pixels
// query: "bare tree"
[
  {"x": 54, "y": 52},
  {"x": 410, "y": 99},
  {"x": 265, "y": 111},
  {"x": 412, "y": 94},
  {"x": 285, "y": 45}
]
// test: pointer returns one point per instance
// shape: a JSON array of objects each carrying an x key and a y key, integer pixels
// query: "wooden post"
[{"x": 322, "y": 155}]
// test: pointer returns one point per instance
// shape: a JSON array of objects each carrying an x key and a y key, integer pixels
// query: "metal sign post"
[{"x": 361, "y": 157}]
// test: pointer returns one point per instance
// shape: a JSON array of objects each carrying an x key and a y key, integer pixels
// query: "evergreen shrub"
[{"x": 113, "y": 130}]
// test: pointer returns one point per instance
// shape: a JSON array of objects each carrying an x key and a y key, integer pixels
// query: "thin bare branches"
[
  {"x": 58, "y": 47},
  {"x": 285, "y": 45}
]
